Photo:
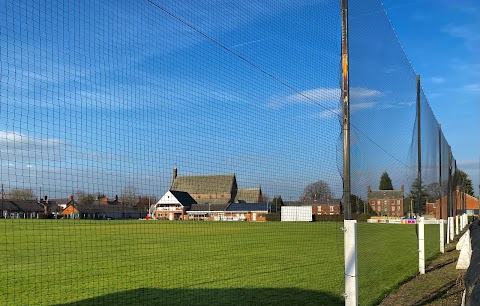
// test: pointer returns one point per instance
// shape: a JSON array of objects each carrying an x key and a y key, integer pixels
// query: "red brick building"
[
  {"x": 461, "y": 203},
  {"x": 329, "y": 207},
  {"x": 387, "y": 202},
  {"x": 320, "y": 207}
]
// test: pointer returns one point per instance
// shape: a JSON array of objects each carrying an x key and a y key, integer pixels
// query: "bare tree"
[
  {"x": 84, "y": 198},
  {"x": 18, "y": 194},
  {"x": 144, "y": 202},
  {"x": 434, "y": 190},
  {"x": 129, "y": 196},
  {"x": 319, "y": 190}
]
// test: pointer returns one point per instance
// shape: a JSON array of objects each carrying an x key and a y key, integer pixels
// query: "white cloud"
[
  {"x": 324, "y": 96},
  {"x": 360, "y": 92},
  {"x": 250, "y": 42},
  {"x": 18, "y": 147},
  {"x": 338, "y": 111},
  {"x": 472, "y": 87},
  {"x": 437, "y": 80},
  {"x": 468, "y": 34},
  {"x": 328, "y": 113},
  {"x": 363, "y": 105},
  {"x": 327, "y": 97},
  {"x": 468, "y": 164},
  {"x": 18, "y": 139}
]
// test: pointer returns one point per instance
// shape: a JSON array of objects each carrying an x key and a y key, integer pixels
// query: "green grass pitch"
[{"x": 82, "y": 262}]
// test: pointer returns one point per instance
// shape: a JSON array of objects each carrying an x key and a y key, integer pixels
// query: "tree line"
[
  {"x": 129, "y": 197},
  {"x": 316, "y": 191},
  {"x": 321, "y": 191}
]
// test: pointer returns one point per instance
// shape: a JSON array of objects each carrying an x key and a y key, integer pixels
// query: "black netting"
[{"x": 130, "y": 130}]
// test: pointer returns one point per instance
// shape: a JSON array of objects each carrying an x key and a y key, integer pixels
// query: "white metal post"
[
  {"x": 457, "y": 227},
  {"x": 421, "y": 245},
  {"x": 452, "y": 228},
  {"x": 448, "y": 230},
  {"x": 442, "y": 236},
  {"x": 350, "y": 248}
]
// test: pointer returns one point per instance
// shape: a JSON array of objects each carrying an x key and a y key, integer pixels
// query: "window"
[{"x": 331, "y": 208}]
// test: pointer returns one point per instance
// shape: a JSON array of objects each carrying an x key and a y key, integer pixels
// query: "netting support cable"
[{"x": 242, "y": 58}]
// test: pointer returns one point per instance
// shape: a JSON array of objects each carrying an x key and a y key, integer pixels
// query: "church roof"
[
  {"x": 205, "y": 184},
  {"x": 251, "y": 195}
]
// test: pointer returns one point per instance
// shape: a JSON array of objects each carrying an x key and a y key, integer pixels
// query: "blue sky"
[
  {"x": 442, "y": 40},
  {"x": 101, "y": 96}
]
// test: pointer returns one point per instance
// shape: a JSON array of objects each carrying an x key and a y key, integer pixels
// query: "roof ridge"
[{"x": 200, "y": 175}]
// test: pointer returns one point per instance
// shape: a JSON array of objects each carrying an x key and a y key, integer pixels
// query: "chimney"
[
  {"x": 45, "y": 198},
  {"x": 70, "y": 198},
  {"x": 402, "y": 188},
  {"x": 175, "y": 172},
  {"x": 116, "y": 198},
  {"x": 369, "y": 189}
]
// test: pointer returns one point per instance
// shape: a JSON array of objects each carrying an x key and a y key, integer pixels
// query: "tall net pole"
[
  {"x": 449, "y": 184},
  {"x": 346, "y": 112},
  {"x": 440, "y": 170},
  {"x": 419, "y": 150}
]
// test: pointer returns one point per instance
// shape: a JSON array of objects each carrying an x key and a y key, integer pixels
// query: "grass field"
[{"x": 82, "y": 262}]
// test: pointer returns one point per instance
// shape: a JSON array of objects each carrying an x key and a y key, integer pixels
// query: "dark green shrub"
[{"x": 273, "y": 217}]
